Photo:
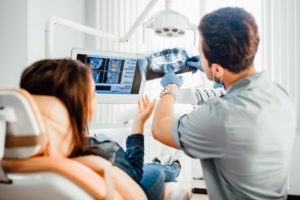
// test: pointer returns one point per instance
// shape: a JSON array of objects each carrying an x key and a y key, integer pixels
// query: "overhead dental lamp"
[
  {"x": 166, "y": 23},
  {"x": 163, "y": 24},
  {"x": 169, "y": 23}
]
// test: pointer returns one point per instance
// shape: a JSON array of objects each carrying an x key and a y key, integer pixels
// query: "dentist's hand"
[
  {"x": 144, "y": 111},
  {"x": 171, "y": 78},
  {"x": 194, "y": 63}
]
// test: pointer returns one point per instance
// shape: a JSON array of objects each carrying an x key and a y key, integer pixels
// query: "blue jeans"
[{"x": 154, "y": 176}]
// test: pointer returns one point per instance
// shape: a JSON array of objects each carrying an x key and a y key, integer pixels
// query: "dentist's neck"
[{"x": 230, "y": 78}]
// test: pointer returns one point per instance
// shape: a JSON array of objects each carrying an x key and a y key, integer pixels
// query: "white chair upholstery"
[{"x": 20, "y": 125}]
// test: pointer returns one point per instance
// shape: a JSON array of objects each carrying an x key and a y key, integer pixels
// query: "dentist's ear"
[{"x": 218, "y": 71}]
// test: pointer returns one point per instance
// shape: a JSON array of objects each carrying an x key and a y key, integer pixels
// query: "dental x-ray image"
[
  {"x": 114, "y": 71},
  {"x": 156, "y": 64},
  {"x": 95, "y": 62}
]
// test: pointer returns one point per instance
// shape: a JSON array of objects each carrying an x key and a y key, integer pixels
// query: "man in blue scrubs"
[{"x": 243, "y": 139}]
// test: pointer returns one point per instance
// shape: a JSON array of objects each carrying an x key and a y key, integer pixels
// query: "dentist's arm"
[{"x": 164, "y": 112}]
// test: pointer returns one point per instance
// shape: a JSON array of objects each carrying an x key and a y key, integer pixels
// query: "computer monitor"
[{"x": 118, "y": 77}]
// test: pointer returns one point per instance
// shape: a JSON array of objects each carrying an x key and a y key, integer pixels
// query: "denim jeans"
[{"x": 154, "y": 176}]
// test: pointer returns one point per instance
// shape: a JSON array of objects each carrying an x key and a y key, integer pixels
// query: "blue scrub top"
[{"x": 243, "y": 140}]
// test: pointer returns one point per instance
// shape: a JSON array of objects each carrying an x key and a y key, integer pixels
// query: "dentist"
[{"x": 243, "y": 139}]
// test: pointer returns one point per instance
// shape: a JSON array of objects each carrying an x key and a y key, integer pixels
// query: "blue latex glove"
[
  {"x": 194, "y": 63},
  {"x": 171, "y": 78}
]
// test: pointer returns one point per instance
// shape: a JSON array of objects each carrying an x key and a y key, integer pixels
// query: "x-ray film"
[{"x": 157, "y": 64}]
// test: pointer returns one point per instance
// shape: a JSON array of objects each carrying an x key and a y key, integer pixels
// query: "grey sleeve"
[
  {"x": 197, "y": 95},
  {"x": 200, "y": 133},
  {"x": 203, "y": 94}
]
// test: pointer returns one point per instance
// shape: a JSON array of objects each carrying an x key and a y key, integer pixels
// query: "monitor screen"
[{"x": 114, "y": 74}]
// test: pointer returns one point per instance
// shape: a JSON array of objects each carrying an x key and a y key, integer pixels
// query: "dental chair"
[{"x": 35, "y": 139}]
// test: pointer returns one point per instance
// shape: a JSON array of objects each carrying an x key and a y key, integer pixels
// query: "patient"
[{"x": 71, "y": 82}]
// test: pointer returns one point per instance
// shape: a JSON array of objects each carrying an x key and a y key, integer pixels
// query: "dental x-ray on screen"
[{"x": 117, "y": 76}]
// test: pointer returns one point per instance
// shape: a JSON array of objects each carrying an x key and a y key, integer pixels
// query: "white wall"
[
  {"x": 13, "y": 41},
  {"x": 91, "y": 20},
  {"x": 64, "y": 39},
  {"x": 23, "y": 31}
]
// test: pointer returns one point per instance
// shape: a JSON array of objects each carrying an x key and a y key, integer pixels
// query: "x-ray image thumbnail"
[
  {"x": 114, "y": 73},
  {"x": 99, "y": 67},
  {"x": 96, "y": 63},
  {"x": 96, "y": 76},
  {"x": 157, "y": 64}
]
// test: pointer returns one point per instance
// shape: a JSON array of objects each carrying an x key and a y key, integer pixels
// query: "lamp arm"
[
  {"x": 73, "y": 25},
  {"x": 195, "y": 33},
  {"x": 138, "y": 22},
  {"x": 169, "y": 4},
  {"x": 49, "y": 36}
]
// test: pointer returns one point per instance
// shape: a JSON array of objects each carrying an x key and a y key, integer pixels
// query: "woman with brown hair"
[{"x": 71, "y": 82}]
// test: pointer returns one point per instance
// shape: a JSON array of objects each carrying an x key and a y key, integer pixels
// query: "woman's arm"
[{"x": 134, "y": 154}]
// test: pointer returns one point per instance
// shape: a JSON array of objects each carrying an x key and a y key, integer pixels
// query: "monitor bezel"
[{"x": 114, "y": 98}]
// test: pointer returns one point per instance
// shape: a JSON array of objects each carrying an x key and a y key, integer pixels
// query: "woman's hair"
[
  {"x": 229, "y": 38},
  {"x": 68, "y": 80}
]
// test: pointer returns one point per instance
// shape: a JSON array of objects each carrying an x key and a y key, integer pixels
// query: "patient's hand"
[{"x": 145, "y": 108}]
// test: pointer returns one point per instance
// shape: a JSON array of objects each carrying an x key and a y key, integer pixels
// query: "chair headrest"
[{"x": 41, "y": 125}]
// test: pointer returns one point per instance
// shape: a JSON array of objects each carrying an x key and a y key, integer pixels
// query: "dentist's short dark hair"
[{"x": 229, "y": 38}]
